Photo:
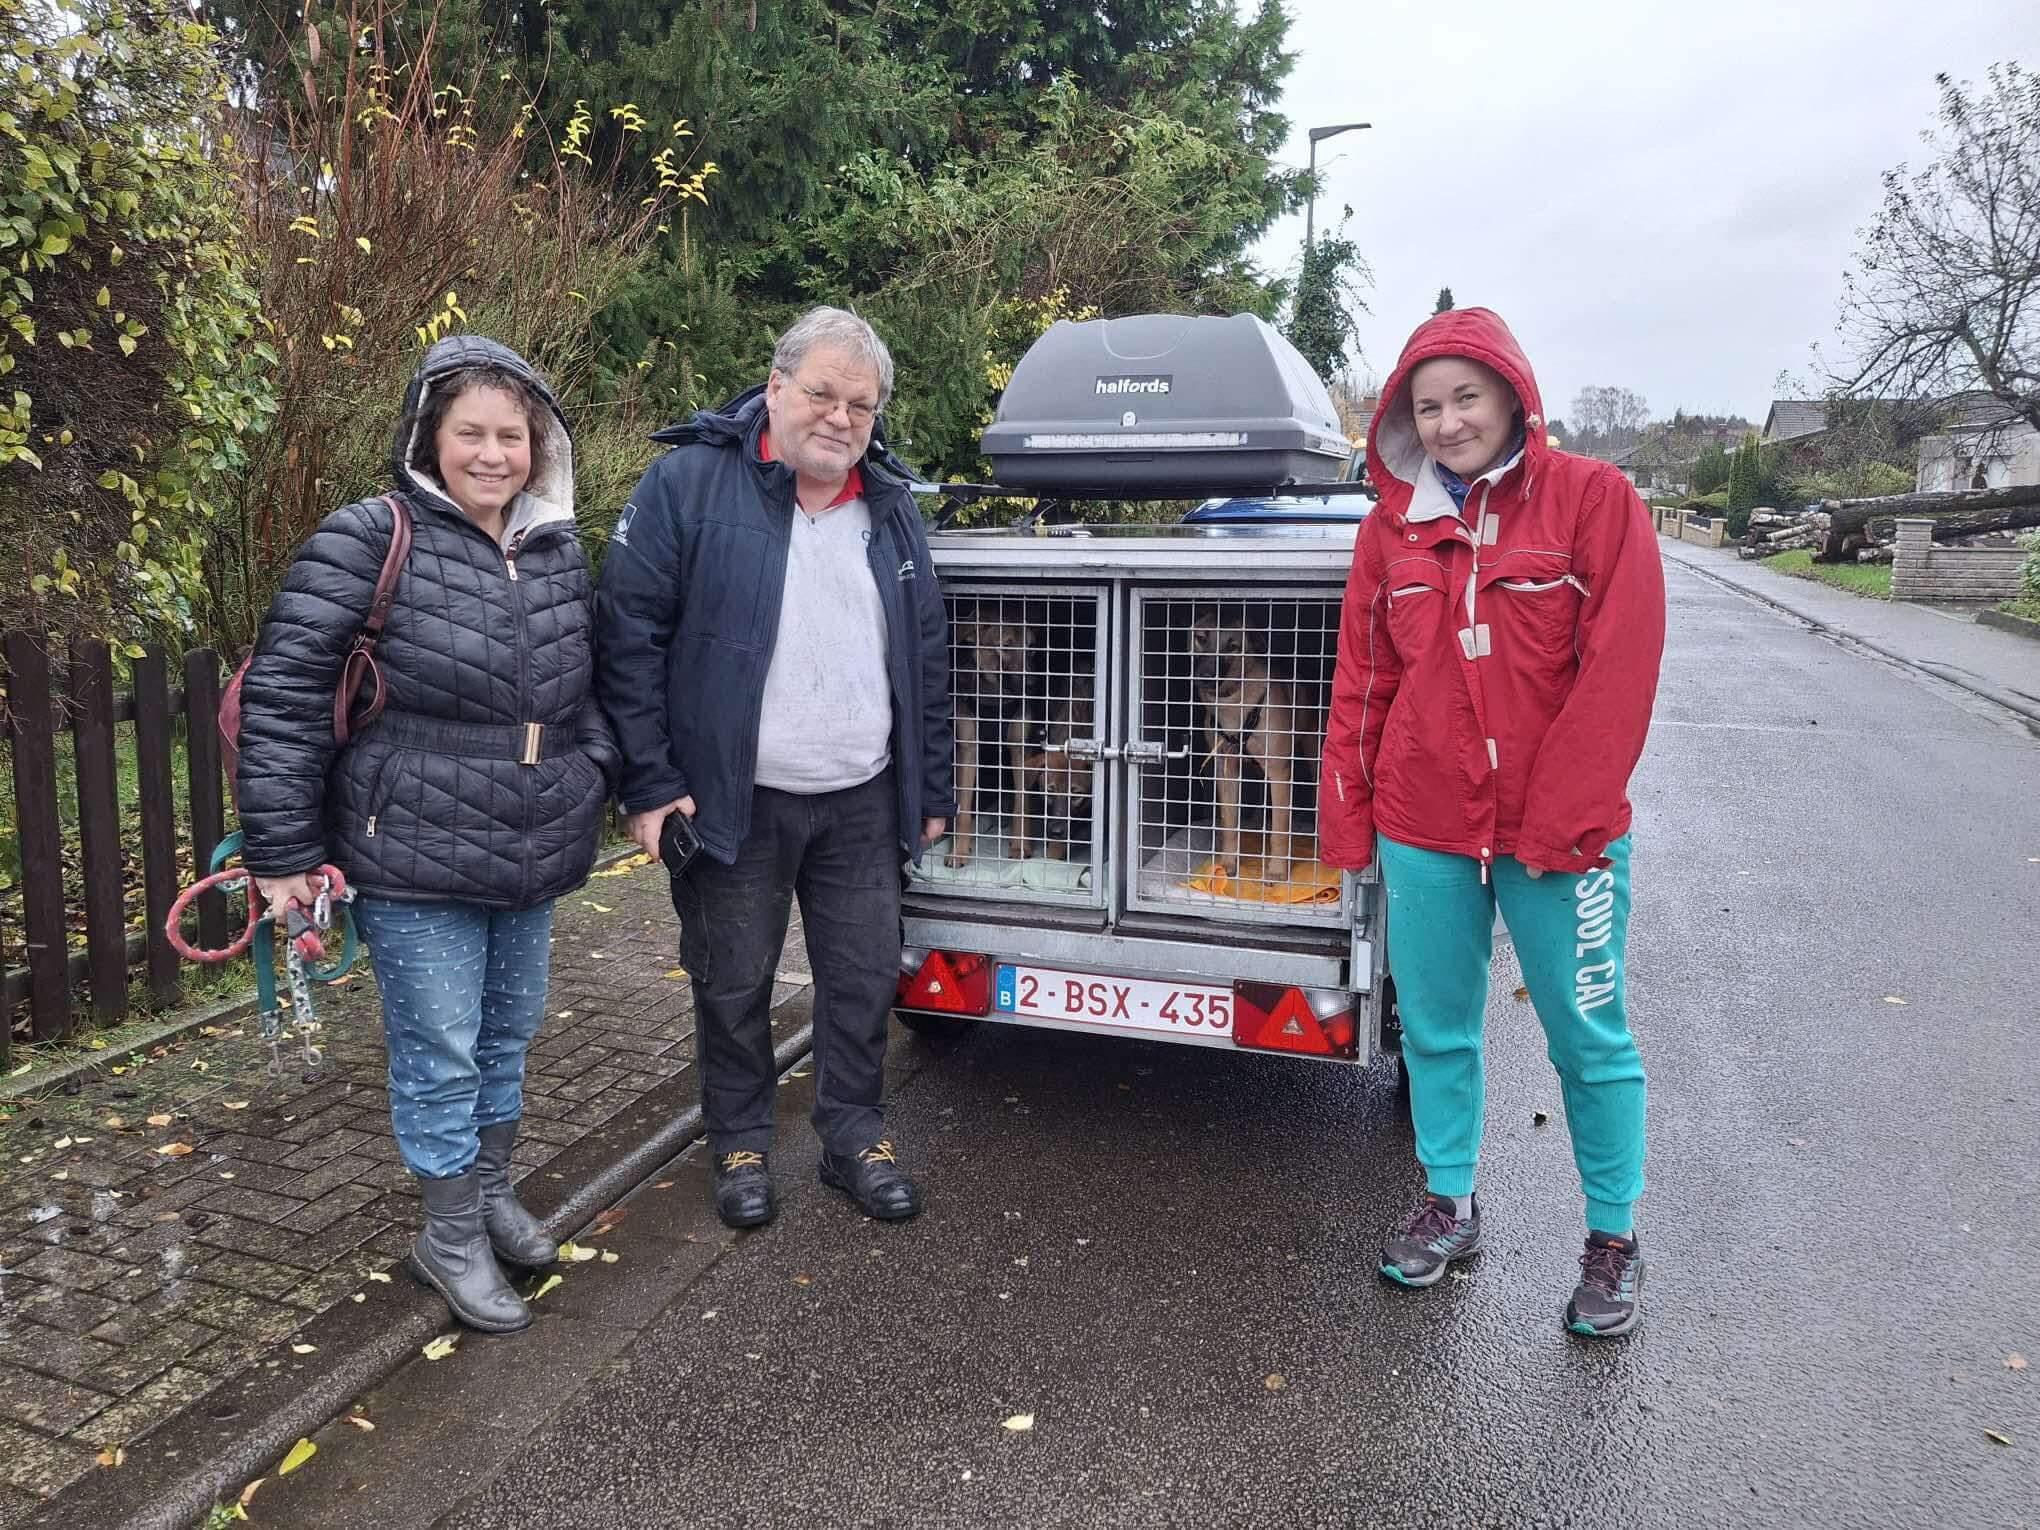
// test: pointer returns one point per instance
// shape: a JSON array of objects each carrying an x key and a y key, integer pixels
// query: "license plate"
[{"x": 1141, "y": 1004}]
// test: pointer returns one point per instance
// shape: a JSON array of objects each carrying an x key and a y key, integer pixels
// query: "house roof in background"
[{"x": 1790, "y": 419}]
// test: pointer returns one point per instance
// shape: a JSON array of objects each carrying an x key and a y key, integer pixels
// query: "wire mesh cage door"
[
  {"x": 1228, "y": 694},
  {"x": 1030, "y": 706}
]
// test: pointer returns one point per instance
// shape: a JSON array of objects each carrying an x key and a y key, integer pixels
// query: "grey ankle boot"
[
  {"x": 452, "y": 1256},
  {"x": 514, "y": 1233}
]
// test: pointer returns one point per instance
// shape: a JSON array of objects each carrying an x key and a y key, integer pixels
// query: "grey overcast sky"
[{"x": 1656, "y": 194}]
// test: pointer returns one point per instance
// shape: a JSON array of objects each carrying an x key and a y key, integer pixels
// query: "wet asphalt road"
[{"x": 1129, "y": 1242}]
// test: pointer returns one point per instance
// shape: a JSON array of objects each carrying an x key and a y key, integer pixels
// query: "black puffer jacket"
[{"x": 430, "y": 801}]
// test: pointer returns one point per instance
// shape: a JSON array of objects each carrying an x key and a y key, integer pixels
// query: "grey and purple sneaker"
[
  {"x": 1608, "y": 1301},
  {"x": 1429, "y": 1241}
]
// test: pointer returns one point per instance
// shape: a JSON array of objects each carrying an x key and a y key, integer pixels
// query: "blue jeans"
[{"x": 463, "y": 991}]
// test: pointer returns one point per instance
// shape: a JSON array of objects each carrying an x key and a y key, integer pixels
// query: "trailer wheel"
[{"x": 934, "y": 1027}]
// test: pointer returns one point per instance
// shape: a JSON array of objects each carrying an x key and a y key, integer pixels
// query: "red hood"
[{"x": 1394, "y": 454}]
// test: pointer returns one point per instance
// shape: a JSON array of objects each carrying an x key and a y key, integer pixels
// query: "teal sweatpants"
[{"x": 1570, "y": 933}]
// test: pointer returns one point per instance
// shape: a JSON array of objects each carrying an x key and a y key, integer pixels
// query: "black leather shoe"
[
  {"x": 743, "y": 1190},
  {"x": 875, "y": 1181}
]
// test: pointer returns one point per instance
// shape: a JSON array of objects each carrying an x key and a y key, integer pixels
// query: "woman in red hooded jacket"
[{"x": 1498, "y": 655}]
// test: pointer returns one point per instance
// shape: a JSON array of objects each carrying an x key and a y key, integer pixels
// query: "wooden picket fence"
[{"x": 76, "y": 694}]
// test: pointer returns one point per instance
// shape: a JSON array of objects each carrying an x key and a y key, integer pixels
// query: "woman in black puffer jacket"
[{"x": 469, "y": 805}]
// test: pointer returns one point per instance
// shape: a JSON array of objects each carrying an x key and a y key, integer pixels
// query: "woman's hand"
[{"x": 278, "y": 892}]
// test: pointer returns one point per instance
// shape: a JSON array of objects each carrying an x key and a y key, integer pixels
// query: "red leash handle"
[{"x": 336, "y": 889}]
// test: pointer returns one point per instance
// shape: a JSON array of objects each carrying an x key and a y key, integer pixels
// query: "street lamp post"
[{"x": 1310, "y": 206}]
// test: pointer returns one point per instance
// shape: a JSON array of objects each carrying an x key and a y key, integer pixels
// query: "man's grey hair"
[{"x": 841, "y": 330}]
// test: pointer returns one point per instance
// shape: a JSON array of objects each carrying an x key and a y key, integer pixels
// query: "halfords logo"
[{"x": 1115, "y": 387}]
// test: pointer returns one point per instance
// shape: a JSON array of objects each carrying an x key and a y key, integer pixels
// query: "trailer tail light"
[
  {"x": 948, "y": 982},
  {"x": 1317, "y": 1022}
]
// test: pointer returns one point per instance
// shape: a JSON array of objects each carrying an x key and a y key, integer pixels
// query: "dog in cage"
[
  {"x": 1248, "y": 713},
  {"x": 995, "y": 667},
  {"x": 1054, "y": 785}
]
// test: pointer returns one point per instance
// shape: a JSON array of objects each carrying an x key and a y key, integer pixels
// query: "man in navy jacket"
[{"x": 773, "y": 652}]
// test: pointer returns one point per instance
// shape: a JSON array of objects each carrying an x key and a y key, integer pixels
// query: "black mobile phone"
[{"x": 678, "y": 842}]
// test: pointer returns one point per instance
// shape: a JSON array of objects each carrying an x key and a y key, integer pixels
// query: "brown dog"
[
  {"x": 1053, "y": 783},
  {"x": 1249, "y": 713},
  {"x": 994, "y": 665}
]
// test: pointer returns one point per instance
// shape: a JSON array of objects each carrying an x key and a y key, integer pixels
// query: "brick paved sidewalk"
[{"x": 133, "y": 1282}]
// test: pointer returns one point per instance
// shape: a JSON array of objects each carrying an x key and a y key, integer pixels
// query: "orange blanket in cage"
[{"x": 1307, "y": 883}]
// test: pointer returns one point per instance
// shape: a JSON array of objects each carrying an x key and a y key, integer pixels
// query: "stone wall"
[{"x": 1922, "y": 571}]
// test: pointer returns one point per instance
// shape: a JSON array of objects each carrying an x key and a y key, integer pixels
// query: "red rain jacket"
[{"x": 1497, "y": 664}]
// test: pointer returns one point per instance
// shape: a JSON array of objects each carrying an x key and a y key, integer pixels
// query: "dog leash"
[{"x": 304, "y": 949}]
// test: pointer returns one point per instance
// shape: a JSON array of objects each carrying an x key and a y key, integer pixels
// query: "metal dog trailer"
[{"x": 1141, "y": 711}]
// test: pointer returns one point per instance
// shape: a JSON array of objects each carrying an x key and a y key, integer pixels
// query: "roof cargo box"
[{"x": 1164, "y": 405}]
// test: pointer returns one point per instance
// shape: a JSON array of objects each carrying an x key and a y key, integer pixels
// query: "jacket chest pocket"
[
  {"x": 1419, "y": 603},
  {"x": 1535, "y": 599},
  {"x": 724, "y": 600}
]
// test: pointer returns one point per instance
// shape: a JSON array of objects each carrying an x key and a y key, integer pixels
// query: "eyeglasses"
[{"x": 826, "y": 403}]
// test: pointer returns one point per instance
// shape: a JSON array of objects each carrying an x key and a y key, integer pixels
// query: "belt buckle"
[{"x": 533, "y": 734}]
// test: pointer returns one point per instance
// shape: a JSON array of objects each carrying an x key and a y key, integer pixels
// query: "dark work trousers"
[{"x": 839, "y": 853}]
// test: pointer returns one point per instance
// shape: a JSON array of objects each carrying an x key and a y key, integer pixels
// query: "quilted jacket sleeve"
[
  {"x": 637, "y": 612},
  {"x": 1579, "y": 785},
  {"x": 287, "y": 694},
  {"x": 1364, "y": 683}
]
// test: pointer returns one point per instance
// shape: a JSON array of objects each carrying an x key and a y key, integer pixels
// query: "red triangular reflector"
[
  {"x": 1291, "y": 1027},
  {"x": 934, "y": 985}
]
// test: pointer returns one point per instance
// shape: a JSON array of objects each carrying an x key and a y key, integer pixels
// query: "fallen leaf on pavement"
[
  {"x": 803, "y": 1280},
  {"x": 610, "y": 1257},
  {"x": 600, "y": 908},
  {"x": 174, "y": 1149},
  {"x": 2015, "y": 1362},
  {"x": 233, "y": 1104},
  {"x": 248, "y": 1492},
  {"x": 573, "y": 1253},
  {"x": 304, "y": 1349},
  {"x": 364, "y": 1425},
  {"x": 300, "y": 1453},
  {"x": 1275, "y": 1382},
  {"x": 605, "y": 1220},
  {"x": 1521, "y": 995},
  {"x": 1995, "y": 1438},
  {"x": 113, "y": 1123},
  {"x": 439, "y": 1348},
  {"x": 379, "y": 1275},
  {"x": 677, "y": 972},
  {"x": 550, "y": 1282},
  {"x": 113, "y": 1455},
  {"x": 1892, "y": 998},
  {"x": 61, "y": 1143},
  {"x": 161, "y": 1120},
  {"x": 96, "y": 1044},
  {"x": 664, "y": 1184},
  {"x": 358, "y": 1296},
  {"x": 1020, "y": 1423},
  {"x": 61, "y": 1174},
  {"x": 16, "y": 1073}
]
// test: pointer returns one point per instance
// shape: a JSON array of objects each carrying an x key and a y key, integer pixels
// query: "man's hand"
[
  {"x": 645, "y": 828},
  {"x": 933, "y": 829},
  {"x": 278, "y": 892}
]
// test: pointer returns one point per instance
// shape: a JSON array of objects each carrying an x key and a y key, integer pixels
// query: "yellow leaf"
[
  {"x": 160, "y": 1120},
  {"x": 300, "y": 1453},
  {"x": 609, "y": 1257},
  {"x": 381, "y": 1276},
  {"x": 1892, "y": 998},
  {"x": 358, "y": 1296},
  {"x": 114, "y": 1123},
  {"x": 1275, "y": 1382},
  {"x": 61, "y": 1143},
  {"x": 248, "y": 1492},
  {"x": 233, "y": 1104},
  {"x": 97, "y": 1044},
  {"x": 550, "y": 1282},
  {"x": 439, "y": 1348},
  {"x": 677, "y": 972},
  {"x": 1020, "y": 1423},
  {"x": 174, "y": 1149},
  {"x": 113, "y": 1455},
  {"x": 365, "y": 247},
  {"x": 304, "y": 1349},
  {"x": 600, "y": 908},
  {"x": 573, "y": 1253},
  {"x": 364, "y": 1425}
]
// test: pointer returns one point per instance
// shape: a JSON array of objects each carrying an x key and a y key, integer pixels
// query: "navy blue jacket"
[{"x": 687, "y": 615}]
